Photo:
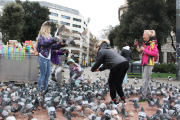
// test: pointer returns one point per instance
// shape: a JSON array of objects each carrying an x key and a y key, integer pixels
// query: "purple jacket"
[
  {"x": 54, "y": 56},
  {"x": 44, "y": 45}
]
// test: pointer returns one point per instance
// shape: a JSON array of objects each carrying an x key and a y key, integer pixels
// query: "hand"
[
  {"x": 135, "y": 42},
  {"x": 142, "y": 48},
  {"x": 63, "y": 43},
  {"x": 65, "y": 52},
  {"x": 56, "y": 50},
  {"x": 97, "y": 70},
  {"x": 77, "y": 68},
  {"x": 36, "y": 53},
  {"x": 59, "y": 39}
]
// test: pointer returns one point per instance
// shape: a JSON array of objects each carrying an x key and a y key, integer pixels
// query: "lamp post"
[{"x": 178, "y": 38}]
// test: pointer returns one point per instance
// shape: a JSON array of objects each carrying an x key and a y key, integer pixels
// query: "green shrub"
[{"x": 165, "y": 68}]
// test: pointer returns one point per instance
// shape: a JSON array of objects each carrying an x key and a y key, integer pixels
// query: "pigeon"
[
  {"x": 156, "y": 116},
  {"x": 159, "y": 105},
  {"x": 173, "y": 112},
  {"x": 124, "y": 113},
  {"x": 135, "y": 99},
  {"x": 142, "y": 114},
  {"x": 83, "y": 34},
  {"x": 136, "y": 105},
  {"x": 166, "y": 115},
  {"x": 169, "y": 78},
  {"x": 51, "y": 111},
  {"x": 3, "y": 113},
  {"x": 59, "y": 30},
  {"x": 107, "y": 113},
  {"x": 151, "y": 103}
]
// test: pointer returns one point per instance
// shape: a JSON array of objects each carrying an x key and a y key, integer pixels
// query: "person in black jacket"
[
  {"x": 127, "y": 53},
  {"x": 117, "y": 64}
]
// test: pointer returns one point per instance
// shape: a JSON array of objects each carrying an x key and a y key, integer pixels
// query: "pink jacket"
[{"x": 149, "y": 53}]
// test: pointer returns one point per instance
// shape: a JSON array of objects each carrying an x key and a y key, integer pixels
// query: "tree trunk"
[
  {"x": 160, "y": 54},
  {"x": 172, "y": 42}
]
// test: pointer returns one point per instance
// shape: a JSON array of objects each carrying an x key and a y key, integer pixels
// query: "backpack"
[{"x": 156, "y": 58}]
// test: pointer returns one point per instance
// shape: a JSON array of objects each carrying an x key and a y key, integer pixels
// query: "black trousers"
[{"x": 116, "y": 77}]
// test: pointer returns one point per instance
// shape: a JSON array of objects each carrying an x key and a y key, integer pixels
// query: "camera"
[
  {"x": 56, "y": 39},
  {"x": 67, "y": 52},
  {"x": 63, "y": 41}
]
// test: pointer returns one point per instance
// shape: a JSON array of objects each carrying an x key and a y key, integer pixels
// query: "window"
[
  {"x": 78, "y": 26},
  {"x": 54, "y": 14},
  {"x": 64, "y": 16},
  {"x": 83, "y": 28},
  {"x": 55, "y": 21},
  {"x": 64, "y": 23},
  {"x": 74, "y": 31},
  {"x": 76, "y": 19},
  {"x": 84, "y": 23}
]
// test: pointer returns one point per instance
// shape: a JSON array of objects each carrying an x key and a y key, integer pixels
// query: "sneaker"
[
  {"x": 122, "y": 99},
  {"x": 44, "y": 92}
]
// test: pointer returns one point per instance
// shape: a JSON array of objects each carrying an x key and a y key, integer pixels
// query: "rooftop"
[{"x": 49, "y": 5}]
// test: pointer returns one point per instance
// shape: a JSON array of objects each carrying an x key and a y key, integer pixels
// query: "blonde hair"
[
  {"x": 43, "y": 31},
  {"x": 104, "y": 40},
  {"x": 151, "y": 33}
]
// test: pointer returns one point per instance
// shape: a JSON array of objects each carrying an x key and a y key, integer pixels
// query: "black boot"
[{"x": 53, "y": 77}]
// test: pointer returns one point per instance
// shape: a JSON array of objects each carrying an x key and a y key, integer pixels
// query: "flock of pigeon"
[{"x": 80, "y": 101}]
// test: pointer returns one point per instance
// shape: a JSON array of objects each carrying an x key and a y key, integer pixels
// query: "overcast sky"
[{"x": 102, "y": 12}]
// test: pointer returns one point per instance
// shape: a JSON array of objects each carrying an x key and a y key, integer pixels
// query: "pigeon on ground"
[{"x": 142, "y": 114}]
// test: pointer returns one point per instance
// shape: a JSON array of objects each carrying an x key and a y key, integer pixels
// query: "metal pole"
[{"x": 178, "y": 38}]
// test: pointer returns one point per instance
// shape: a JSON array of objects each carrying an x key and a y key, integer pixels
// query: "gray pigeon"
[
  {"x": 142, "y": 114},
  {"x": 124, "y": 114},
  {"x": 159, "y": 105},
  {"x": 136, "y": 105},
  {"x": 166, "y": 115},
  {"x": 3, "y": 113}
]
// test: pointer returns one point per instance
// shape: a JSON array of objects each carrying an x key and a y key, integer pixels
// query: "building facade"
[
  {"x": 74, "y": 23},
  {"x": 168, "y": 53}
]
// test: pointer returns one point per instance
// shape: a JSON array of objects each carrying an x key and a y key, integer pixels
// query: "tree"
[
  {"x": 34, "y": 17},
  {"x": 171, "y": 14},
  {"x": 144, "y": 15},
  {"x": 11, "y": 22},
  {"x": 104, "y": 32},
  {"x": 53, "y": 28}
]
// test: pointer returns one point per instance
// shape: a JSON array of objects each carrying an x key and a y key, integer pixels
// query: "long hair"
[{"x": 43, "y": 31}]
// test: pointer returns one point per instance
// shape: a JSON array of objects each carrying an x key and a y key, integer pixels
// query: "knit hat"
[{"x": 70, "y": 60}]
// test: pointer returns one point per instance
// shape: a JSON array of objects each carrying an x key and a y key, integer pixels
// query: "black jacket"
[
  {"x": 108, "y": 57},
  {"x": 127, "y": 54}
]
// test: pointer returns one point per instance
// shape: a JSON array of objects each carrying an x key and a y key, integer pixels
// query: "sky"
[{"x": 101, "y": 12}]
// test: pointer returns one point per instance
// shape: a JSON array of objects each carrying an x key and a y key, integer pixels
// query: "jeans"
[{"x": 45, "y": 69}]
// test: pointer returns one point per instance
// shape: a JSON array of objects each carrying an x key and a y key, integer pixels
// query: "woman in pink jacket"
[{"x": 149, "y": 51}]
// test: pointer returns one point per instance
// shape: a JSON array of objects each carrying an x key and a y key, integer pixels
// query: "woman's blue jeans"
[{"x": 45, "y": 70}]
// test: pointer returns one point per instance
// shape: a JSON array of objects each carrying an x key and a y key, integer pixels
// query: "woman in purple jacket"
[{"x": 44, "y": 46}]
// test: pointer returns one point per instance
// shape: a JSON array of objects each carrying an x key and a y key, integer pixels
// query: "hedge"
[{"x": 165, "y": 68}]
